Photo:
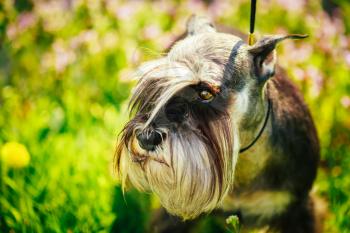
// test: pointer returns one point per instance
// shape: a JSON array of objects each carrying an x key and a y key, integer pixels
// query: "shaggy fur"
[{"x": 196, "y": 167}]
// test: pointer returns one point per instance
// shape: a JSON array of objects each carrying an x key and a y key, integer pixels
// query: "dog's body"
[
  {"x": 194, "y": 112},
  {"x": 274, "y": 177}
]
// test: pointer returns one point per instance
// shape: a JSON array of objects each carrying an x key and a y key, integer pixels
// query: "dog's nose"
[{"x": 149, "y": 140}]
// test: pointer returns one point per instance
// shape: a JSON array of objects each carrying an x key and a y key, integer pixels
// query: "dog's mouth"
[
  {"x": 141, "y": 156},
  {"x": 141, "y": 159}
]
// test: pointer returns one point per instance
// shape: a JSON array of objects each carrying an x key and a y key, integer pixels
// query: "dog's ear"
[
  {"x": 264, "y": 54},
  {"x": 199, "y": 24}
]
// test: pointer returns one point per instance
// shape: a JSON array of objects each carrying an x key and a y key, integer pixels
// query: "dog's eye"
[{"x": 205, "y": 95}]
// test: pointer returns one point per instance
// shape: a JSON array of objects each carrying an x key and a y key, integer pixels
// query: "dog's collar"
[{"x": 261, "y": 130}]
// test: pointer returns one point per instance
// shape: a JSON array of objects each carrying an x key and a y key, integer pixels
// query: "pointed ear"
[
  {"x": 199, "y": 24},
  {"x": 264, "y": 54}
]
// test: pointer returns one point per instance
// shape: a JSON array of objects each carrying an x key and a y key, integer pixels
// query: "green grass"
[{"x": 64, "y": 84}]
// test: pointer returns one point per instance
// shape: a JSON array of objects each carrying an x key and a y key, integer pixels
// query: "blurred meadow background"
[{"x": 64, "y": 84}]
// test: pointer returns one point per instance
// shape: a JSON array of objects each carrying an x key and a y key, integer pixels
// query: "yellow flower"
[{"x": 15, "y": 155}]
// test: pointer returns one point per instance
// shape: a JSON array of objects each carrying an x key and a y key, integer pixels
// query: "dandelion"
[{"x": 15, "y": 155}]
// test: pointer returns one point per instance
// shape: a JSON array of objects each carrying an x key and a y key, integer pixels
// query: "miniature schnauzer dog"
[{"x": 217, "y": 125}]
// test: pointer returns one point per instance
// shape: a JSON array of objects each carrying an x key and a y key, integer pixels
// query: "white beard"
[{"x": 184, "y": 174}]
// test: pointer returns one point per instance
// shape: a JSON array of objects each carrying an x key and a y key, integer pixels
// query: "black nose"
[{"x": 149, "y": 140}]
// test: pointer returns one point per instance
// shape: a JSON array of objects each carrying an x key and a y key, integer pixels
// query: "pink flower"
[
  {"x": 167, "y": 7},
  {"x": 134, "y": 56},
  {"x": 196, "y": 6},
  {"x": 292, "y": 5},
  {"x": 299, "y": 74},
  {"x": 347, "y": 57},
  {"x": 152, "y": 31},
  {"x": 127, "y": 11},
  {"x": 25, "y": 20},
  {"x": 316, "y": 79},
  {"x": 345, "y": 101},
  {"x": 63, "y": 56},
  {"x": 297, "y": 54},
  {"x": 218, "y": 8},
  {"x": 11, "y": 31}
]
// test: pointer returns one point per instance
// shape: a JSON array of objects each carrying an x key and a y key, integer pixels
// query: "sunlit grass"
[{"x": 64, "y": 81}]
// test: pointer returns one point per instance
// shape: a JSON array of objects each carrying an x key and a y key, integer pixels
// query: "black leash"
[
  {"x": 251, "y": 39},
  {"x": 261, "y": 130}
]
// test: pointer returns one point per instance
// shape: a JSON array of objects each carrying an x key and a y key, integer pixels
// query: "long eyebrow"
[{"x": 213, "y": 88}]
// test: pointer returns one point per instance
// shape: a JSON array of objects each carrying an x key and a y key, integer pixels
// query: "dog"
[{"x": 217, "y": 125}]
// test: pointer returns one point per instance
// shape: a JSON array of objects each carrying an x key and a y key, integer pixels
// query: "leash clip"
[{"x": 251, "y": 39}]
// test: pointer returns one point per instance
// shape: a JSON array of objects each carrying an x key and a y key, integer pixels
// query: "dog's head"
[{"x": 188, "y": 110}]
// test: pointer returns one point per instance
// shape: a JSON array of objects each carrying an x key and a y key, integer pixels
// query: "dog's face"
[{"x": 188, "y": 110}]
